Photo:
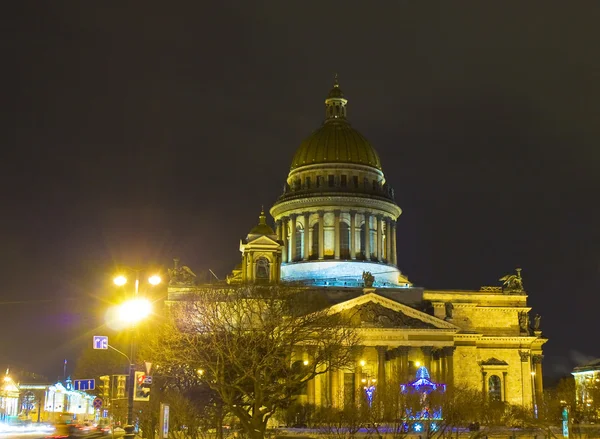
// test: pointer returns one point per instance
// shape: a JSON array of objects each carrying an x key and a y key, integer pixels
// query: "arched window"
[
  {"x": 299, "y": 242},
  {"x": 495, "y": 388},
  {"x": 263, "y": 273},
  {"x": 315, "y": 241},
  {"x": 344, "y": 241}
]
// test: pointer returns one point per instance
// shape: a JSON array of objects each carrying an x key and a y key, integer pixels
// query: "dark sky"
[{"x": 133, "y": 132}]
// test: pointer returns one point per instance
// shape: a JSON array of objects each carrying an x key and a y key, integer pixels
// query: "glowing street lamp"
[
  {"x": 120, "y": 280},
  {"x": 132, "y": 312}
]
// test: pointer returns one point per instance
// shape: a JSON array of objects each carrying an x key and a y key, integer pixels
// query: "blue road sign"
[
  {"x": 100, "y": 342},
  {"x": 84, "y": 384}
]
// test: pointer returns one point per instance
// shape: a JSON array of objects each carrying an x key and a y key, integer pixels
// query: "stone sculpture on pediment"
[
  {"x": 374, "y": 315},
  {"x": 512, "y": 283},
  {"x": 524, "y": 321},
  {"x": 181, "y": 275},
  {"x": 368, "y": 279}
]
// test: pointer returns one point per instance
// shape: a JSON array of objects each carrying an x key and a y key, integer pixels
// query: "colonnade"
[
  {"x": 384, "y": 244},
  {"x": 389, "y": 366}
]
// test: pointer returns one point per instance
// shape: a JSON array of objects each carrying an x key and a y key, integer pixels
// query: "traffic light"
[{"x": 142, "y": 387}]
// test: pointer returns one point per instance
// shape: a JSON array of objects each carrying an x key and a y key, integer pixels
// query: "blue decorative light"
[
  {"x": 426, "y": 415},
  {"x": 369, "y": 390}
]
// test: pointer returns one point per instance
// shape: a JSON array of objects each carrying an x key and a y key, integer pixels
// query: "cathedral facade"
[{"x": 335, "y": 232}]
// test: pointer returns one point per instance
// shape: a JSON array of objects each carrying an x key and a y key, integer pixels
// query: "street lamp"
[
  {"x": 132, "y": 312},
  {"x": 369, "y": 388}
]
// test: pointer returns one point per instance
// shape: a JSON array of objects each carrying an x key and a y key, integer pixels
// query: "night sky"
[{"x": 133, "y": 132}]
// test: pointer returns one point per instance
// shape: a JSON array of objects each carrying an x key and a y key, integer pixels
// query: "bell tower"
[{"x": 261, "y": 256}]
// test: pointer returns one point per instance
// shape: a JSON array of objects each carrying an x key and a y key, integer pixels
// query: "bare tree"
[{"x": 256, "y": 347}]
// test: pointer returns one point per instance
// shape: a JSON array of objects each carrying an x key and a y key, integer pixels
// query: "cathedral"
[{"x": 335, "y": 232}]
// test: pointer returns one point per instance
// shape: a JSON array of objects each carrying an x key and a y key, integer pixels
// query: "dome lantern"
[{"x": 335, "y": 104}]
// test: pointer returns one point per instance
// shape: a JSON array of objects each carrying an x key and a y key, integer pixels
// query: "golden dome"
[
  {"x": 262, "y": 228},
  {"x": 336, "y": 141}
]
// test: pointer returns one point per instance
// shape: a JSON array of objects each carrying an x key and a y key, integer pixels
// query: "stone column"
[
  {"x": 367, "y": 236},
  {"x": 381, "y": 365},
  {"x": 379, "y": 238},
  {"x": 278, "y": 229},
  {"x": 388, "y": 241},
  {"x": 527, "y": 397},
  {"x": 427, "y": 351},
  {"x": 310, "y": 385},
  {"x": 394, "y": 255},
  {"x": 244, "y": 263},
  {"x": 352, "y": 234},
  {"x": 505, "y": 386},
  {"x": 403, "y": 364},
  {"x": 321, "y": 234},
  {"x": 284, "y": 238},
  {"x": 293, "y": 255},
  {"x": 332, "y": 379},
  {"x": 449, "y": 363},
  {"x": 307, "y": 231},
  {"x": 251, "y": 270},
  {"x": 336, "y": 231},
  {"x": 538, "y": 385},
  {"x": 484, "y": 383}
]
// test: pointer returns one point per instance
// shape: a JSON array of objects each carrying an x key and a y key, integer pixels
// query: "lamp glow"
[
  {"x": 363, "y": 362},
  {"x": 306, "y": 362},
  {"x": 120, "y": 280},
  {"x": 155, "y": 279},
  {"x": 134, "y": 310},
  {"x": 417, "y": 363}
]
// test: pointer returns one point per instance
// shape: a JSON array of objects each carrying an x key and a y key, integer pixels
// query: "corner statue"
[
  {"x": 182, "y": 276},
  {"x": 368, "y": 279},
  {"x": 513, "y": 283}
]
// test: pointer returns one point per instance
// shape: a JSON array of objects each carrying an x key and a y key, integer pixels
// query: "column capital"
[
  {"x": 320, "y": 213},
  {"x": 352, "y": 211},
  {"x": 524, "y": 356},
  {"x": 427, "y": 350},
  {"x": 293, "y": 216},
  {"x": 537, "y": 359},
  {"x": 279, "y": 221},
  {"x": 403, "y": 350},
  {"x": 337, "y": 212},
  {"x": 448, "y": 351},
  {"x": 484, "y": 373}
]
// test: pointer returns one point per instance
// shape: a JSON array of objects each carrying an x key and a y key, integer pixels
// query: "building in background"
[
  {"x": 587, "y": 390},
  {"x": 335, "y": 233}
]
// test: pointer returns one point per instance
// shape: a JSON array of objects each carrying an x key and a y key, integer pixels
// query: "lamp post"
[
  {"x": 369, "y": 386},
  {"x": 131, "y": 312}
]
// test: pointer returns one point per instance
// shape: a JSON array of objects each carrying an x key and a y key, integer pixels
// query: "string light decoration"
[{"x": 426, "y": 415}]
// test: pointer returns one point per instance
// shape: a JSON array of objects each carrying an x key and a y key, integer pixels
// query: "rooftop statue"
[
  {"x": 181, "y": 276},
  {"x": 513, "y": 283},
  {"x": 368, "y": 279}
]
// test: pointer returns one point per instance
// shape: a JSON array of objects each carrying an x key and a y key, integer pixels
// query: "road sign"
[
  {"x": 97, "y": 403},
  {"x": 84, "y": 384},
  {"x": 100, "y": 342},
  {"x": 147, "y": 379}
]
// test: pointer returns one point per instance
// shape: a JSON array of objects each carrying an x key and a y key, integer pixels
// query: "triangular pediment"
[
  {"x": 373, "y": 310},
  {"x": 494, "y": 362},
  {"x": 262, "y": 241}
]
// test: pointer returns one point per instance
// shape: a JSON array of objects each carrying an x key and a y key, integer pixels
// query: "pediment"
[
  {"x": 494, "y": 362},
  {"x": 375, "y": 311},
  {"x": 262, "y": 241}
]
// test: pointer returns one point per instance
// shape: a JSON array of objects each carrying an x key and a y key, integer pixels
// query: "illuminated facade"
[
  {"x": 335, "y": 232},
  {"x": 587, "y": 389}
]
